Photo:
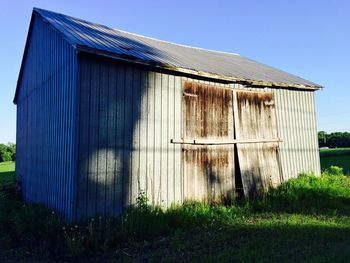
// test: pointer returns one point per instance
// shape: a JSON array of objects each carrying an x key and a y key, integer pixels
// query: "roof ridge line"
[
  {"x": 176, "y": 44},
  {"x": 139, "y": 35}
]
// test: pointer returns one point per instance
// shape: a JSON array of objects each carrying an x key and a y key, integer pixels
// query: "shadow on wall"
[
  {"x": 109, "y": 113},
  {"x": 112, "y": 94},
  {"x": 110, "y": 110}
]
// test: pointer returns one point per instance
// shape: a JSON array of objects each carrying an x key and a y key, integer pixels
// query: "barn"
[{"x": 104, "y": 115}]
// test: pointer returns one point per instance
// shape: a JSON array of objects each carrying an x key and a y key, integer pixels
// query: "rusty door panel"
[
  {"x": 208, "y": 170},
  {"x": 255, "y": 119}
]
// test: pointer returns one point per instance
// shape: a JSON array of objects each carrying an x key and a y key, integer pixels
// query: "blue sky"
[{"x": 310, "y": 39}]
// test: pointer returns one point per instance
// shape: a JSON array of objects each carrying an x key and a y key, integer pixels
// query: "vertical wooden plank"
[
  {"x": 208, "y": 115},
  {"x": 255, "y": 118},
  {"x": 217, "y": 126}
]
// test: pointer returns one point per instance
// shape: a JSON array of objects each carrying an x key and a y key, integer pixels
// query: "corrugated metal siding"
[
  {"x": 45, "y": 119},
  {"x": 297, "y": 127},
  {"x": 99, "y": 37},
  {"x": 121, "y": 119},
  {"x": 128, "y": 116}
]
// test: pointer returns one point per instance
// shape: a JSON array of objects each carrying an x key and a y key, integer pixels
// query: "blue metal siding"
[{"x": 45, "y": 120}]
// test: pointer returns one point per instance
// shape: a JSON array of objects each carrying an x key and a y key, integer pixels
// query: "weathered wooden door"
[
  {"x": 214, "y": 120},
  {"x": 207, "y": 118},
  {"x": 255, "y": 120}
]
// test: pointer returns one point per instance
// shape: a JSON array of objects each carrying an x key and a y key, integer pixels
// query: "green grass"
[
  {"x": 7, "y": 171},
  {"x": 304, "y": 220},
  {"x": 339, "y": 157}
]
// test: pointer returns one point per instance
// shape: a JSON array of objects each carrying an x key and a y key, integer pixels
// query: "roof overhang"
[
  {"x": 160, "y": 66},
  {"x": 24, "y": 55},
  {"x": 208, "y": 75}
]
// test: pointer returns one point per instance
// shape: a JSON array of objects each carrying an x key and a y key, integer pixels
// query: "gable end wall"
[{"x": 45, "y": 163}]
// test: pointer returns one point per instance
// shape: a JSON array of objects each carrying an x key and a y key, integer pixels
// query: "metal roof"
[{"x": 103, "y": 40}]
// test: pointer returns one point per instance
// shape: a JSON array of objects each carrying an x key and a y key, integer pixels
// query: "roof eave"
[
  {"x": 131, "y": 59},
  {"x": 24, "y": 55}
]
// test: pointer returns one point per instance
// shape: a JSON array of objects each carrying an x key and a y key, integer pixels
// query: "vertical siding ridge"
[
  {"x": 123, "y": 160},
  {"x": 115, "y": 139},
  {"x": 107, "y": 129},
  {"x": 98, "y": 135}
]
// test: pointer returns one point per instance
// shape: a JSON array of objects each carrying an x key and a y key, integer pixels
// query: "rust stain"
[
  {"x": 207, "y": 110},
  {"x": 258, "y": 104},
  {"x": 208, "y": 107},
  {"x": 258, "y": 163},
  {"x": 212, "y": 167},
  {"x": 254, "y": 97}
]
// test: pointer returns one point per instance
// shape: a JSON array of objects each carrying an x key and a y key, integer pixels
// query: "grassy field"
[
  {"x": 305, "y": 220},
  {"x": 339, "y": 157},
  {"x": 7, "y": 171}
]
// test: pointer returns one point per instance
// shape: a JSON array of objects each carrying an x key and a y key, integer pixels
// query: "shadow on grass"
[
  {"x": 305, "y": 219},
  {"x": 7, "y": 177},
  {"x": 276, "y": 243}
]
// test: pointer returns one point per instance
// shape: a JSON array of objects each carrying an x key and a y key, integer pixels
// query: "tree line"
[
  {"x": 7, "y": 152},
  {"x": 334, "y": 139}
]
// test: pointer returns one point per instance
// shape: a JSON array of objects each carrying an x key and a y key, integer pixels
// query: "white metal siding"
[{"x": 128, "y": 116}]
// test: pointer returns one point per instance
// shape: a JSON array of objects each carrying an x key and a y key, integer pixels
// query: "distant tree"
[
  {"x": 322, "y": 140},
  {"x": 334, "y": 140},
  {"x": 7, "y": 152},
  {"x": 12, "y": 149}
]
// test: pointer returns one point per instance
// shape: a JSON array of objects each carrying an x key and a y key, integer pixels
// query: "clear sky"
[{"x": 310, "y": 39}]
